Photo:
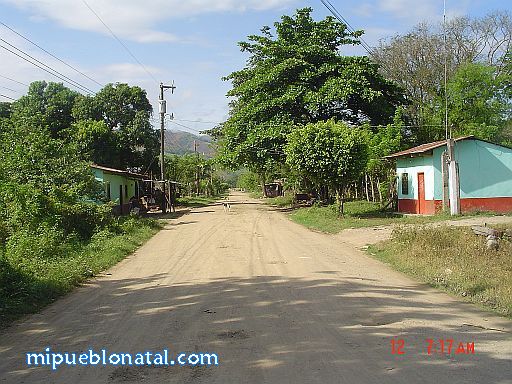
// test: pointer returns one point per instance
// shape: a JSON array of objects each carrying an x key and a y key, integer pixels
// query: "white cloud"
[
  {"x": 134, "y": 19},
  {"x": 126, "y": 72},
  {"x": 364, "y": 10},
  {"x": 406, "y": 9}
]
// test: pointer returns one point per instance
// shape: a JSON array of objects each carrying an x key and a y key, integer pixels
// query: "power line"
[
  {"x": 45, "y": 67},
  {"x": 341, "y": 19},
  {"x": 51, "y": 54},
  {"x": 8, "y": 97},
  {"x": 9, "y": 89},
  {"x": 119, "y": 40},
  {"x": 184, "y": 126},
  {"x": 198, "y": 121},
  {"x": 16, "y": 81}
]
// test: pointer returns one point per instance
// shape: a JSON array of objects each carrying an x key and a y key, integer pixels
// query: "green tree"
[
  {"x": 295, "y": 77},
  {"x": 46, "y": 105},
  {"x": 126, "y": 112},
  {"x": 328, "y": 153},
  {"x": 189, "y": 169},
  {"x": 382, "y": 141},
  {"x": 477, "y": 103},
  {"x": 5, "y": 110},
  {"x": 95, "y": 141},
  {"x": 416, "y": 59}
]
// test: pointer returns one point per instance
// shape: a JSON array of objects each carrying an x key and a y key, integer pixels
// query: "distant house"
[
  {"x": 274, "y": 189},
  {"x": 119, "y": 186},
  {"x": 485, "y": 171}
]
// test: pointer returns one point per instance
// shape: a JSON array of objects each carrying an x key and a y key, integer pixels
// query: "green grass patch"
[
  {"x": 455, "y": 260},
  {"x": 280, "y": 201},
  {"x": 358, "y": 214},
  {"x": 196, "y": 201},
  {"x": 30, "y": 281},
  {"x": 256, "y": 195}
]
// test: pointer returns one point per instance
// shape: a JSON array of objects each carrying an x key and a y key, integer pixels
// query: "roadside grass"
[
  {"x": 256, "y": 195},
  {"x": 280, "y": 201},
  {"x": 358, "y": 214},
  {"x": 30, "y": 283},
  {"x": 196, "y": 201},
  {"x": 455, "y": 260}
]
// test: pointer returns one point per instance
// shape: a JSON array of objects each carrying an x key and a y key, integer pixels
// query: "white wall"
[{"x": 413, "y": 171}]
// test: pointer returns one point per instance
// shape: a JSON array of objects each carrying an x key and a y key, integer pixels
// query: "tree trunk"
[
  {"x": 340, "y": 198},
  {"x": 378, "y": 189},
  {"x": 366, "y": 187},
  {"x": 373, "y": 188},
  {"x": 355, "y": 189}
]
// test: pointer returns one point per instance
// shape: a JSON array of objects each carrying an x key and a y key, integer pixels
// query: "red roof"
[{"x": 425, "y": 148}]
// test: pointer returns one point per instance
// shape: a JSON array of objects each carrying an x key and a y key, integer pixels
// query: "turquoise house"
[
  {"x": 119, "y": 186},
  {"x": 485, "y": 172}
]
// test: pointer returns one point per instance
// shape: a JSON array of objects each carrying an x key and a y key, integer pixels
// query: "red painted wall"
[
  {"x": 493, "y": 204},
  {"x": 412, "y": 206}
]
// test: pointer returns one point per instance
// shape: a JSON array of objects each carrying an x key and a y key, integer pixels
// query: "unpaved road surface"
[{"x": 278, "y": 304}]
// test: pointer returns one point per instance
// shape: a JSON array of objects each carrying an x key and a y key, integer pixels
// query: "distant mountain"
[{"x": 180, "y": 143}]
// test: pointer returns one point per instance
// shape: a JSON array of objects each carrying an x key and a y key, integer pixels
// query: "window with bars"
[{"x": 405, "y": 184}]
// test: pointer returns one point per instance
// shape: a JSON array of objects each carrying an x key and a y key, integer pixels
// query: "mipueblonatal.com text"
[{"x": 103, "y": 357}]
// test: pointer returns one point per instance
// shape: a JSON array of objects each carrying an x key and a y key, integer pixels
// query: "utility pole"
[
  {"x": 453, "y": 170},
  {"x": 163, "y": 110},
  {"x": 197, "y": 168},
  {"x": 450, "y": 168}
]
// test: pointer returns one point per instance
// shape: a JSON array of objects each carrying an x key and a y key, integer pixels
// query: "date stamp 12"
[{"x": 436, "y": 347}]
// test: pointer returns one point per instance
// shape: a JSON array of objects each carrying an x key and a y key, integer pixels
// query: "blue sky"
[{"x": 193, "y": 43}]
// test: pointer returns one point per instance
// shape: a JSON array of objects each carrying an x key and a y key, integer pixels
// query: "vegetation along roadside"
[
  {"x": 35, "y": 272},
  {"x": 455, "y": 260}
]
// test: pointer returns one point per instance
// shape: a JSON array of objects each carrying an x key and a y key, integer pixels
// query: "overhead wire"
[
  {"x": 51, "y": 54},
  {"x": 119, "y": 40},
  {"x": 8, "y": 97},
  {"x": 341, "y": 19},
  {"x": 272, "y": 151},
  {"x": 283, "y": 125},
  {"x": 16, "y": 81},
  {"x": 44, "y": 66},
  {"x": 184, "y": 126},
  {"x": 9, "y": 89}
]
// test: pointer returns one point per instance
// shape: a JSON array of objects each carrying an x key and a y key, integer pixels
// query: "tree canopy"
[
  {"x": 114, "y": 127},
  {"x": 416, "y": 59},
  {"x": 294, "y": 76},
  {"x": 328, "y": 153}
]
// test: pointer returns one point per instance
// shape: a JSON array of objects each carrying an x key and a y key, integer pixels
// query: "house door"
[
  {"x": 421, "y": 193},
  {"x": 121, "y": 196}
]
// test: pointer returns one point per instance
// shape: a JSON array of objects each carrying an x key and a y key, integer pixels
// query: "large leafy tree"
[
  {"x": 47, "y": 106},
  {"x": 477, "y": 102},
  {"x": 115, "y": 128},
  {"x": 416, "y": 59},
  {"x": 295, "y": 76},
  {"x": 328, "y": 153}
]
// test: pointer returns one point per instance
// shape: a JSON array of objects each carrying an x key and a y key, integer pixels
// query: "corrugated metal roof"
[
  {"x": 425, "y": 147},
  {"x": 118, "y": 171}
]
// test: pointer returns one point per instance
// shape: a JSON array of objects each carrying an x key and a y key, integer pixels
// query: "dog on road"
[{"x": 227, "y": 205}]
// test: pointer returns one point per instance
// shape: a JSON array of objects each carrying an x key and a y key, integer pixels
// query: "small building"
[
  {"x": 274, "y": 189},
  {"x": 120, "y": 186},
  {"x": 485, "y": 174}
]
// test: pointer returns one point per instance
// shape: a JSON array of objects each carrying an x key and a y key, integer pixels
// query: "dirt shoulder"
[{"x": 360, "y": 237}]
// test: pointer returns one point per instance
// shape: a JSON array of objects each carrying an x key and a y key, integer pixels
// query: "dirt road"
[{"x": 277, "y": 303}]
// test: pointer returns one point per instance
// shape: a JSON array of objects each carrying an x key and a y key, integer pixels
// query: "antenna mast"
[{"x": 448, "y": 135}]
